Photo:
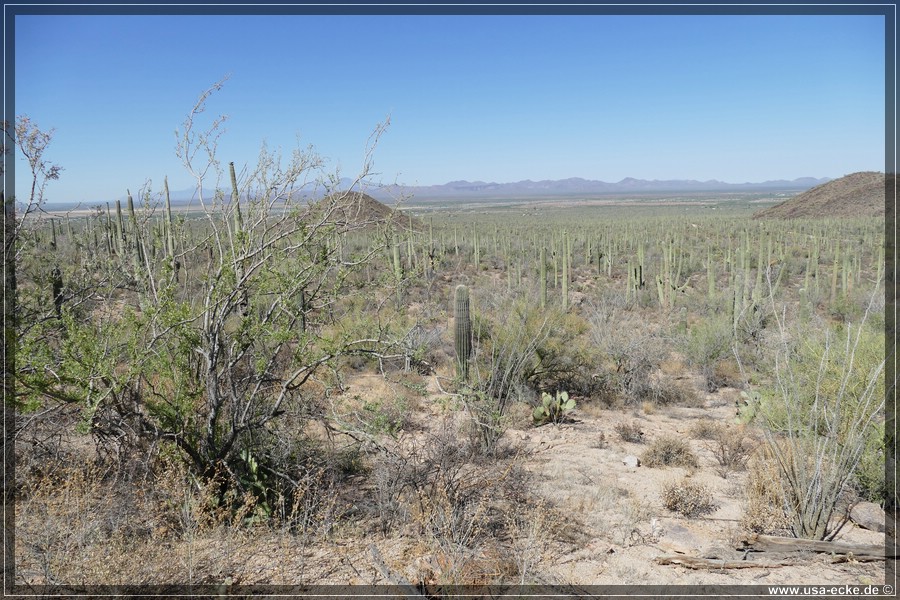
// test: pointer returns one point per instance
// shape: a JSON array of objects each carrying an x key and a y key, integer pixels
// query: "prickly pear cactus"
[{"x": 552, "y": 409}]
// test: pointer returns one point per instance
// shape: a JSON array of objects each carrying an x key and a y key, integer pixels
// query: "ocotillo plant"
[{"x": 462, "y": 331}]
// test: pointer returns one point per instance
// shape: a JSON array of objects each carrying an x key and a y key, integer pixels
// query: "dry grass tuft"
[
  {"x": 630, "y": 432},
  {"x": 670, "y": 451},
  {"x": 705, "y": 429},
  {"x": 765, "y": 500},
  {"x": 688, "y": 498}
]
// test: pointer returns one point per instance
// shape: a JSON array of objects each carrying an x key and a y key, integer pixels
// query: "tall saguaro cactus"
[
  {"x": 239, "y": 233},
  {"x": 57, "y": 284},
  {"x": 462, "y": 331},
  {"x": 543, "y": 278},
  {"x": 565, "y": 271},
  {"x": 170, "y": 231},
  {"x": 135, "y": 239}
]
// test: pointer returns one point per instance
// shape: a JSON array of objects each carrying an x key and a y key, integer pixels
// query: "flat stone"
[
  {"x": 679, "y": 539},
  {"x": 868, "y": 515},
  {"x": 631, "y": 461}
]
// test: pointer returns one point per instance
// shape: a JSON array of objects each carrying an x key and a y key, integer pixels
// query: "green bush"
[
  {"x": 706, "y": 344},
  {"x": 870, "y": 473},
  {"x": 520, "y": 349}
]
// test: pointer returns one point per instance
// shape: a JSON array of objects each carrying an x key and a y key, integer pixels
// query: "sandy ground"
[{"x": 611, "y": 525}]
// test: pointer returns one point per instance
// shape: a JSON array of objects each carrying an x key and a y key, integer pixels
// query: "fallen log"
[
  {"x": 696, "y": 562},
  {"x": 771, "y": 543}
]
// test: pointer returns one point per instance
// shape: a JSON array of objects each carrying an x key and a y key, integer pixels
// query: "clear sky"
[{"x": 492, "y": 98}]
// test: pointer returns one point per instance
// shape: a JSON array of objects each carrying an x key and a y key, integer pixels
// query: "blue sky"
[{"x": 493, "y": 98}]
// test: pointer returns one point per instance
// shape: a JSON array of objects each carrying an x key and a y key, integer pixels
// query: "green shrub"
[
  {"x": 870, "y": 473},
  {"x": 706, "y": 344}
]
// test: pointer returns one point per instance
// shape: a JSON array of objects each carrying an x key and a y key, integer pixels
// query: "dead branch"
[
  {"x": 696, "y": 562},
  {"x": 770, "y": 543}
]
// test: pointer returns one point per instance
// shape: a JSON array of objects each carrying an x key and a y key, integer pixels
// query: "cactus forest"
[{"x": 287, "y": 382}]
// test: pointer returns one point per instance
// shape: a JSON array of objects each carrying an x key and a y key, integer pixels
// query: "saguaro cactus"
[
  {"x": 462, "y": 331},
  {"x": 135, "y": 239},
  {"x": 543, "y": 278},
  {"x": 120, "y": 230},
  {"x": 170, "y": 231},
  {"x": 565, "y": 272},
  {"x": 302, "y": 308},
  {"x": 57, "y": 284},
  {"x": 244, "y": 302}
]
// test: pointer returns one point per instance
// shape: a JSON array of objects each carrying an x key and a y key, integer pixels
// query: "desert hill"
[
  {"x": 855, "y": 195},
  {"x": 359, "y": 210}
]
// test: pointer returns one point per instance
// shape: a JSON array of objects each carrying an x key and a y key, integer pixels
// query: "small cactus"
[{"x": 748, "y": 406}]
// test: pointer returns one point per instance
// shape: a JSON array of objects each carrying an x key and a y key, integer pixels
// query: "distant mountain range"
[
  {"x": 574, "y": 186},
  {"x": 579, "y": 186}
]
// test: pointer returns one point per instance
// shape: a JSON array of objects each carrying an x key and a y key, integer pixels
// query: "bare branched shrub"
[
  {"x": 80, "y": 525},
  {"x": 634, "y": 350},
  {"x": 732, "y": 448}
]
